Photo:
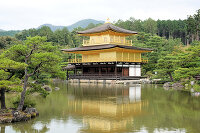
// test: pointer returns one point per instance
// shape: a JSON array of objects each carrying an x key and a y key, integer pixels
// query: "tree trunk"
[
  {"x": 197, "y": 36},
  {"x": 158, "y": 32},
  {"x": 170, "y": 75},
  {"x": 3, "y": 103},
  {"x": 192, "y": 37},
  {"x": 23, "y": 93},
  {"x": 187, "y": 42}
]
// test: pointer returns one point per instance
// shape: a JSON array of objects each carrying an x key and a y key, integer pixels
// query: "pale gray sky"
[{"x": 25, "y": 14}]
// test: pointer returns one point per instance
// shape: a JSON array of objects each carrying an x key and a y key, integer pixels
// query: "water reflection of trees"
[
  {"x": 170, "y": 110},
  {"x": 24, "y": 127}
]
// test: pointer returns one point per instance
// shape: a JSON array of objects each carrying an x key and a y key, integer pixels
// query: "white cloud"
[{"x": 24, "y": 14}]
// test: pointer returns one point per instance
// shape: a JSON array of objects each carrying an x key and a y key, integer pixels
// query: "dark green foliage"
[
  {"x": 163, "y": 28},
  {"x": 150, "y": 26},
  {"x": 47, "y": 32},
  {"x": 172, "y": 29},
  {"x": 167, "y": 65},
  {"x": 161, "y": 47},
  {"x": 198, "y": 82},
  {"x": 189, "y": 63},
  {"x": 26, "y": 33},
  {"x": 193, "y": 27},
  {"x": 8, "y": 80},
  {"x": 37, "y": 57},
  {"x": 27, "y": 103},
  {"x": 181, "y": 64},
  {"x": 42, "y": 78},
  {"x": 37, "y": 88},
  {"x": 7, "y": 41},
  {"x": 62, "y": 37},
  {"x": 9, "y": 33},
  {"x": 187, "y": 30}
]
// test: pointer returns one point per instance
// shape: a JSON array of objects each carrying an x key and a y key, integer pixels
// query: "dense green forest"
[
  {"x": 34, "y": 54},
  {"x": 187, "y": 30},
  {"x": 9, "y": 33}
]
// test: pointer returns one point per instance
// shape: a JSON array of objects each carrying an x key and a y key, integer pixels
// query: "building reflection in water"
[{"x": 107, "y": 109}]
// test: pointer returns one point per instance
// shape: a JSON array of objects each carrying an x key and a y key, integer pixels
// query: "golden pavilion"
[{"x": 107, "y": 55}]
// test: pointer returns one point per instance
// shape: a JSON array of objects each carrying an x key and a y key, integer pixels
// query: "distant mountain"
[
  {"x": 83, "y": 23},
  {"x": 52, "y": 27}
]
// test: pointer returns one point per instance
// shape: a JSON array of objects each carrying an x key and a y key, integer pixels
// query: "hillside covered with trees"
[{"x": 82, "y": 23}]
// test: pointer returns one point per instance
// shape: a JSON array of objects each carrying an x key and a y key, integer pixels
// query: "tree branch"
[
  {"x": 30, "y": 53},
  {"x": 36, "y": 69},
  {"x": 12, "y": 74},
  {"x": 34, "y": 48}
]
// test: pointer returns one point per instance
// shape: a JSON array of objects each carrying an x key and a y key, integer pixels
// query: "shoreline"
[{"x": 13, "y": 115}]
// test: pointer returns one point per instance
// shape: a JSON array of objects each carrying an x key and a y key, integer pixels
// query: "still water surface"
[{"x": 91, "y": 108}]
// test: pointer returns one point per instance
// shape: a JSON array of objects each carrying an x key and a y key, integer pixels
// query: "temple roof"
[
  {"x": 105, "y": 46},
  {"x": 106, "y": 27}
]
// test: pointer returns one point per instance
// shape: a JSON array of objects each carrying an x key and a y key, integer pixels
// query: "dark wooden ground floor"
[
  {"x": 119, "y": 71},
  {"x": 104, "y": 77}
]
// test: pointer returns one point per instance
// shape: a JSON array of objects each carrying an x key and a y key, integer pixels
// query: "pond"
[{"x": 90, "y": 108}]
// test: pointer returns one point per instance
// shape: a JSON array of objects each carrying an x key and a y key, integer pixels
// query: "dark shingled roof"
[
  {"x": 105, "y": 27},
  {"x": 105, "y": 46}
]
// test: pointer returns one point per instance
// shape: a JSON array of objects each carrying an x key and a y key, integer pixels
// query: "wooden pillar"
[
  {"x": 99, "y": 70},
  {"x": 122, "y": 70},
  {"x": 106, "y": 69},
  {"x": 116, "y": 69},
  {"x": 82, "y": 68},
  {"x": 122, "y": 56},
  {"x": 67, "y": 75},
  {"x": 75, "y": 58},
  {"x": 75, "y": 71}
]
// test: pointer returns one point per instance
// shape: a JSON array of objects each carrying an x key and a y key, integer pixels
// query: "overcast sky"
[{"x": 25, "y": 14}]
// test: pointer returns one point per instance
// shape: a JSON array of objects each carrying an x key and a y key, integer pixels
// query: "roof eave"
[{"x": 109, "y": 47}]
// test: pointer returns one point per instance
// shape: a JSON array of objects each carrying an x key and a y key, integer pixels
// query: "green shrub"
[
  {"x": 27, "y": 103},
  {"x": 198, "y": 82},
  {"x": 197, "y": 87},
  {"x": 42, "y": 78},
  {"x": 15, "y": 89},
  {"x": 37, "y": 88}
]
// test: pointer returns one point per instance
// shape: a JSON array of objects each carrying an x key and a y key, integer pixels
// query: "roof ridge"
[{"x": 105, "y": 27}]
